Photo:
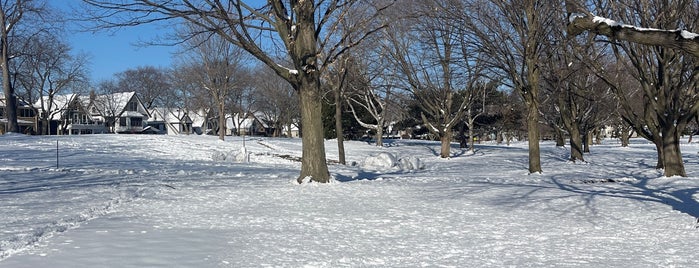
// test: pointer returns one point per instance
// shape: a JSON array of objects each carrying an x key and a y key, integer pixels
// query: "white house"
[
  {"x": 171, "y": 121},
  {"x": 119, "y": 112}
]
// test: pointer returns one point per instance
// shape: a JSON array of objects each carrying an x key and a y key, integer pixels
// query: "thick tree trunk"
[
  {"x": 672, "y": 157},
  {"x": 659, "y": 149},
  {"x": 576, "y": 146},
  {"x": 339, "y": 132},
  {"x": 313, "y": 162},
  {"x": 445, "y": 151},
  {"x": 587, "y": 141},
  {"x": 10, "y": 98}
]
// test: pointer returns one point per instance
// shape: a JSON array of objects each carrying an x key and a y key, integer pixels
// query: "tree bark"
[
  {"x": 576, "y": 145},
  {"x": 445, "y": 151},
  {"x": 9, "y": 91},
  {"x": 676, "y": 39},
  {"x": 587, "y": 141},
  {"x": 672, "y": 157},
  {"x": 560, "y": 139},
  {"x": 313, "y": 162},
  {"x": 339, "y": 132},
  {"x": 659, "y": 149},
  {"x": 533, "y": 136},
  {"x": 625, "y": 137},
  {"x": 221, "y": 119}
]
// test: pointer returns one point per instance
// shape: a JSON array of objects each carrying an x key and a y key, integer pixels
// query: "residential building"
[
  {"x": 26, "y": 116},
  {"x": 120, "y": 112},
  {"x": 171, "y": 121}
]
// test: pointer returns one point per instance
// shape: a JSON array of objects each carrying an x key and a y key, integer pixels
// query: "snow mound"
[
  {"x": 389, "y": 162},
  {"x": 241, "y": 156}
]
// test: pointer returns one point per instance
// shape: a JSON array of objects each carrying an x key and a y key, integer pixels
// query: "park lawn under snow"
[{"x": 186, "y": 201}]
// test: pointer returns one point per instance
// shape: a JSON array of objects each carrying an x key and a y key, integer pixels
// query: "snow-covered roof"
[
  {"x": 169, "y": 115},
  {"x": 244, "y": 121},
  {"x": 115, "y": 104},
  {"x": 58, "y": 104},
  {"x": 198, "y": 118},
  {"x": 112, "y": 104}
]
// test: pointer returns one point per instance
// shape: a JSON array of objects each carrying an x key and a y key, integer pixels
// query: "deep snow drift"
[{"x": 195, "y": 201}]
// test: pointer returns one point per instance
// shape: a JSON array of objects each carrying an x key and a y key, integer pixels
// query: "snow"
[
  {"x": 689, "y": 35},
  {"x": 165, "y": 201},
  {"x": 607, "y": 21},
  {"x": 612, "y": 23}
]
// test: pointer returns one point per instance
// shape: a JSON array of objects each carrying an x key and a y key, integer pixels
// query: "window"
[
  {"x": 122, "y": 121},
  {"x": 26, "y": 113},
  {"x": 2, "y": 112},
  {"x": 132, "y": 106},
  {"x": 136, "y": 122}
]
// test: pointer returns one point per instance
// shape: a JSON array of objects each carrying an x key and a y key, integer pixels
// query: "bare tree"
[
  {"x": 12, "y": 15},
  {"x": 277, "y": 100},
  {"x": 48, "y": 68},
  {"x": 371, "y": 88},
  {"x": 581, "y": 100},
  {"x": 303, "y": 31},
  {"x": 434, "y": 77},
  {"x": 512, "y": 35},
  {"x": 217, "y": 65},
  {"x": 151, "y": 83}
]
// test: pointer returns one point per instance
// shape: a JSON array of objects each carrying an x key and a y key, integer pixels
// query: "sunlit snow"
[{"x": 195, "y": 201}]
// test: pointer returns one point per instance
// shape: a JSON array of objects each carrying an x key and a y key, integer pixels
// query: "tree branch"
[{"x": 676, "y": 39}]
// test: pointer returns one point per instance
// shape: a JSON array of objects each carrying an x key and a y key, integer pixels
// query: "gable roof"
[
  {"x": 115, "y": 104},
  {"x": 169, "y": 115}
]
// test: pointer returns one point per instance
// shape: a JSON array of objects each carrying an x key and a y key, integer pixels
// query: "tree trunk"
[
  {"x": 313, "y": 162},
  {"x": 587, "y": 141},
  {"x": 303, "y": 50},
  {"x": 533, "y": 133},
  {"x": 624, "y": 136},
  {"x": 463, "y": 141},
  {"x": 221, "y": 120},
  {"x": 470, "y": 133},
  {"x": 576, "y": 145},
  {"x": 379, "y": 132},
  {"x": 445, "y": 151},
  {"x": 560, "y": 137},
  {"x": 672, "y": 157},
  {"x": 339, "y": 132},
  {"x": 659, "y": 149},
  {"x": 10, "y": 98}
]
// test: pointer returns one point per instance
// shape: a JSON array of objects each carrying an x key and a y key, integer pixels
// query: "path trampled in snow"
[{"x": 164, "y": 201}]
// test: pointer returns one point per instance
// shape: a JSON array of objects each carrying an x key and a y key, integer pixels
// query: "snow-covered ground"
[{"x": 188, "y": 201}]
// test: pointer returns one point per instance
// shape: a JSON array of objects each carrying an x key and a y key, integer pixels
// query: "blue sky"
[{"x": 111, "y": 52}]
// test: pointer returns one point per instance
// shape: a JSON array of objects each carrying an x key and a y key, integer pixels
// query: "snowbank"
[{"x": 387, "y": 162}]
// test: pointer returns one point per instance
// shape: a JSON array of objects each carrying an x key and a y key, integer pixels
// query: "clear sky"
[
  {"x": 111, "y": 53},
  {"x": 116, "y": 51}
]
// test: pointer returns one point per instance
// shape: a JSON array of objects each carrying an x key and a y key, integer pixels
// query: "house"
[
  {"x": 66, "y": 115},
  {"x": 26, "y": 116},
  {"x": 119, "y": 112},
  {"x": 171, "y": 121},
  {"x": 248, "y": 124}
]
